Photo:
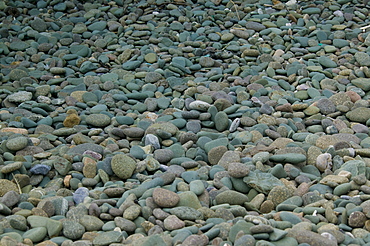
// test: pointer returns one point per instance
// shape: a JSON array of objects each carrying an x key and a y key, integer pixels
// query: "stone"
[
  {"x": 227, "y": 158},
  {"x": 231, "y": 197},
  {"x": 73, "y": 230},
  {"x": 123, "y": 166},
  {"x": 188, "y": 199},
  {"x": 357, "y": 219},
  {"x": 362, "y": 58},
  {"x": 262, "y": 182},
  {"x": 165, "y": 198},
  {"x": 362, "y": 83},
  {"x": 237, "y": 170},
  {"x": 35, "y": 234},
  {"x": 6, "y": 186},
  {"x": 91, "y": 223},
  {"x": 309, "y": 237},
  {"x": 279, "y": 194},
  {"x": 72, "y": 118},
  {"x": 215, "y": 154},
  {"x": 80, "y": 194},
  {"x": 172, "y": 222},
  {"x": 359, "y": 114},
  {"x": 107, "y": 238},
  {"x": 20, "y": 96},
  {"x": 221, "y": 121},
  {"x": 124, "y": 224},
  {"x": 186, "y": 213},
  {"x": 292, "y": 158},
  {"x": 98, "y": 120}
]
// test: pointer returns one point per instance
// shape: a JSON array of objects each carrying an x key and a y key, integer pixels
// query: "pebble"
[
  {"x": 245, "y": 128},
  {"x": 165, "y": 198},
  {"x": 123, "y": 166},
  {"x": 17, "y": 143}
]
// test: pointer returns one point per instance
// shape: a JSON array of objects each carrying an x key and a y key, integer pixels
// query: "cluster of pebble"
[{"x": 210, "y": 122}]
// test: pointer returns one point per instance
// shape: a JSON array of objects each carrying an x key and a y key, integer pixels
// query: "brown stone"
[{"x": 165, "y": 198}]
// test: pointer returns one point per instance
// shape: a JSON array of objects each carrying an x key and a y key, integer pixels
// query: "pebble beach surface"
[{"x": 203, "y": 122}]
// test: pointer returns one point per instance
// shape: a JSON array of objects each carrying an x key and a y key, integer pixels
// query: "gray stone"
[
  {"x": 20, "y": 97},
  {"x": 72, "y": 229}
]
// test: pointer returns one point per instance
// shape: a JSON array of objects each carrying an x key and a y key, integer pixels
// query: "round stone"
[
  {"x": 123, "y": 166},
  {"x": 73, "y": 230},
  {"x": 357, "y": 219}
]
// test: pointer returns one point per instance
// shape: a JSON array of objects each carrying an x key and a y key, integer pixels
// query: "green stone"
[
  {"x": 342, "y": 189},
  {"x": 107, "y": 238},
  {"x": 262, "y": 182},
  {"x": 189, "y": 199},
  {"x": 123, "y": 166},
  {"x": 288, "y": 158},
  {"x": 35, "y": 234}
]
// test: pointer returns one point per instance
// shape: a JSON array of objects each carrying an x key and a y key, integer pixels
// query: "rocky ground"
[{"x": 161, "y": 122}]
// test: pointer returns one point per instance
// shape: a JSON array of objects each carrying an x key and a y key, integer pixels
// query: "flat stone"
[
  {"x": 288, "y": 158},
  {"x": 98, "y": 120},
  {"x": 231, "y": 197},
  {"x": 106, "y": 238}
]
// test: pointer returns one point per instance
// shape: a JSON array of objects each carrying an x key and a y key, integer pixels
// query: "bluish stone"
[
  {"x": 40, "y": 169},
  {"x": 80, "y": 194}
]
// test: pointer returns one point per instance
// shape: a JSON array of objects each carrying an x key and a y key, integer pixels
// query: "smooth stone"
[
  {"x": 189, "y": 199},
  {"x": 262, "y": 182},
  {"x": 326, "y": 62},
  {"x": 98, "y": 120},
  {"x": 309, "y": 237},
  {"x": 21, "y": 96},
  {"x": 197, "y": 187},
  {"x": 186, "y": 213},
  {"x": 342, "y": 189},
  {"x": 91, "y": 223},
  {"x": 107, "y": 238},
  {"x": 237, "y": 170},
  {"x": 123, "y": 166},
  {"x": 165, "y": 198},
  {"x": 240, "y": 225},
  {"x": 80, "y": 194},
  {"x": 6, "y": 186},
  {"x": 288, "y": 216},
  {"x": 221, "y": 121},
  {"x": 215, "y": 143},
  {"x": 288, "y": 158},
  {"x": 35, "y": 234},
  {"x": 172, "y": 222},
  {"x": 231, "y": 197},
  {"x": 73, "y": 230},
  {"x": 362, "y": 83}
]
